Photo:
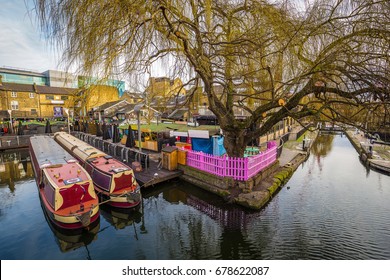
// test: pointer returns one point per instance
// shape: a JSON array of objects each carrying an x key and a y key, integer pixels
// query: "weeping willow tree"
[{"x": 270, "y": 59}]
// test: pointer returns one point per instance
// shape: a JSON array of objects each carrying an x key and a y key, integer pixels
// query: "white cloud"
[{"x": 21, "y": 43}]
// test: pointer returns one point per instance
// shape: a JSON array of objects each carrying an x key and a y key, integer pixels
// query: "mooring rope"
[{"x": 84, "y": 219}]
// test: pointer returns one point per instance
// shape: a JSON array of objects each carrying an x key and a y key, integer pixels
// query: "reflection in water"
[
  {"x": 15, "y": 166},
  {"x": 224, "y": 229},
  {"x": 322, "y": 145},
  {"x": 72, "y": 239},
  {"x": 227, "y": 215},
  {"x": 120, "y": 218}
]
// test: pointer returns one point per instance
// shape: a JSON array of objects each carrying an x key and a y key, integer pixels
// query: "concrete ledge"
[
  {"x": 218, "y": 191},
  {"x": 240, "y": 192},
  {"x": 207, "y": 178},
  {"x": 258, "y": 199},
  {"x": 254, "y": 200}
]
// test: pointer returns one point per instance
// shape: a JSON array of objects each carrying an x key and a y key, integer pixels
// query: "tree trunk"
[{"x": 235, "y": 143}]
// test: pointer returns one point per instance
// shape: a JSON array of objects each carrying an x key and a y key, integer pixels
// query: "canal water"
[{"x": 332, "y": 208}]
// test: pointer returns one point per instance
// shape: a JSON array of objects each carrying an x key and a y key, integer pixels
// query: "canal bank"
[
  {"x": 374, "y": 154},
  {"x": 294, "y": 152}
]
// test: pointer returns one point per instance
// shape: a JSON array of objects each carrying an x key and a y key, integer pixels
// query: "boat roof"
[
  {"x": 80, "y": 148},
  {"x": 109, "y": 164},
  {"x": 48, "y": 151},
  {"x": 60, "y": 167},
  {"x": 100, "y": 160},
  {"x": 66, "y": 174}
]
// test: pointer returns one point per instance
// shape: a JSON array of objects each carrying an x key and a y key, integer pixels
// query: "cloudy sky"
[{"x": 22, "y": 44}]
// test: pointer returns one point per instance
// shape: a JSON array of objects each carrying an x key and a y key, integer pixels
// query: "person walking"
[{"x": 15, "y": 126}]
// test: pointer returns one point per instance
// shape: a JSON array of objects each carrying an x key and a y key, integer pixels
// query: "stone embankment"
[
  {"x": 375, "y": 154},
  {"x": 294, "y": 152}
]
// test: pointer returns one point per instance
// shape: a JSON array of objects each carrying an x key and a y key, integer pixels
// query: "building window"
[
  {"x": 32, "y": 94},
  {"x": 14, "y": 94},
  {"x": 63, "y": 97},
  {"x": 49, "y": 97},
  {"x": 14, "y": 105},
  {"x": 33, "y": 111}
]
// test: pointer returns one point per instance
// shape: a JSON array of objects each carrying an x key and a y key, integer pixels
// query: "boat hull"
[
  {"x": 66, "y": 221},
  {"x": 64, "y": 187},
  {"x": 128, "y": 200}
]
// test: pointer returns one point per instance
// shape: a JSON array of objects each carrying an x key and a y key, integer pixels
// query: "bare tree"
[{"x": 272, "y": 60}]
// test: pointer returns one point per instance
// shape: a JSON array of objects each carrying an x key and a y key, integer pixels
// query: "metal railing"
[{"x": 116, "y": 150}]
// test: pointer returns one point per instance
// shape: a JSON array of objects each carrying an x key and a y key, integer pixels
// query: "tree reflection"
[
  {"x": 15, "y": 166},
  {"x": 322, "y": 145},
  {"x": 215, "y": 230}
]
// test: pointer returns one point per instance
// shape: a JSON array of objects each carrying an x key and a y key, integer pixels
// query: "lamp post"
[
  {"x": 137, "y": 109},
  {"x": 10, "y": 120},
  {"x": 156, "y": 115},
  {"x": 67, "y": 112}
]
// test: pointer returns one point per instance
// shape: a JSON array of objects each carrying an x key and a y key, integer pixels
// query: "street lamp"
[
  {"x": 156, "y": 114},
  {"x": 10, "y": 119},
  {"x": 137, "y": 109},
  {"x": 67, "y": 112}
]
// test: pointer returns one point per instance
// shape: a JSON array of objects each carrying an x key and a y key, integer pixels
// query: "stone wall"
[{"x": 224, "y": 186}]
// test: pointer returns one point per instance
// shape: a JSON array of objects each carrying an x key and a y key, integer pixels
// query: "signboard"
[
  {"x": 199, "y": 134},
  {"x": 58, "y": 112},
  {"x": 179, "y": 133}
]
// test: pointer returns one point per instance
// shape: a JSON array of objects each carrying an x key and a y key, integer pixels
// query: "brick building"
[{"x": 45, "y": 95}]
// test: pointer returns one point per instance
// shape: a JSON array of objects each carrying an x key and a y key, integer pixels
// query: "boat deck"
[
  {"x": 154, "y": 175},
  {"x": 108, "y": 165},
  {"x": 61, "y": 168},
  {"x": 47, "y": 151}
]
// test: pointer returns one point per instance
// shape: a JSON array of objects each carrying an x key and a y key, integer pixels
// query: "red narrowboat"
[
  {"x": 114, "y": 181},
  {"x": 65, "y": 188}
]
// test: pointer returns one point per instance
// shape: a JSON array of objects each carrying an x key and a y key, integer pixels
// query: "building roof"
[
  {"x": 19, "y": 71},
  {"x": 55, "y": 90},
  {"x": 178, "y": 113},
  {"x": 176, "y": 101},
  {"x": 130, "y": 108},
  {"x": 111, "y": 105},
  {"x": 138, "y": 95},
  {"x": 17, "y": 87},
  {"x": 35, "y": 88}
]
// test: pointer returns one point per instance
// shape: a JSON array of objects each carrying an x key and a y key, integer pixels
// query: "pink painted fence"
[{"x": 238, "y": 168}]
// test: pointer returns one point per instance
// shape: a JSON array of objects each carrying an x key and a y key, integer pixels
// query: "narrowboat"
[
  {"x": 65, "y": 188},
  {"x": 114, "y": 181}
]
